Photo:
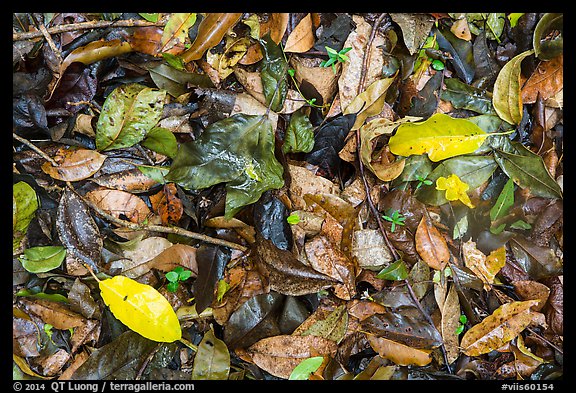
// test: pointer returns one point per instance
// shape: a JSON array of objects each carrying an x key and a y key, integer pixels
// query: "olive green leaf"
[
  {"x": 24, "y": 206},
  {"x": 43, "y": 258},
  {"x": 273, "y": 74},
  {"x": 299, "y": 134},
  {"x": 238, "y": 151}
]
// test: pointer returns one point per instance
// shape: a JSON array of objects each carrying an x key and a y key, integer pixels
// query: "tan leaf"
[
  {"x": 362, "y": 309},
  {"x": 331, "y": 325},
  {"x": 136, "y": 262},
  {"x": 174, "y": 256},
  {"x": 352, "y": 69},
  {"x": 484, "y": 267},
  {"x": 305, "y": 182},
  {"x": 547, "y": 79},
  {"x": 279, "y": 355},
  {"x": 301, "y": 39},
  {"x": 532, "y": 290},
  {"x": 401, "y": 354},
  {"x": 497, "y": 329},
  {"x": 130, "y": 180},
  {"x": 461, "y": 29},
  {"x": 116, "y": 203},
  {"x": 370, "y": 250},
  {"x": 314, "y": 81},
  {"x": 431, "y": 245},
  {"x": 243, "y": 229},
  {"x": 74, "y": 164},
  {"x": 450, "y": 311},
  {"x": 327, "y": 258}
]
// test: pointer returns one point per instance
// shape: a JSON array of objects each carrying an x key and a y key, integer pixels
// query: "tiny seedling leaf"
[{"x": 305, "y": 368}]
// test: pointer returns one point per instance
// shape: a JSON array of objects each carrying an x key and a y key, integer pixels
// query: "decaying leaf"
[
  {"x": 212, "y": 361},
  {"x": 431, "y": 245},
  {"x": 74, "y": 164},
  {"x": 485, "y": 267},
  {"x": 502, "y": 326},
  {"x": 120, "y": 203}
]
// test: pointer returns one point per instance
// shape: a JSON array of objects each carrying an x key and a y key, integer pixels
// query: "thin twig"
[
  {"x": 159, "y": 228},
  {"x": 373, "y": 209},
  {"x": 98, "y": 24},
  {"x": 34, "y": 148}
]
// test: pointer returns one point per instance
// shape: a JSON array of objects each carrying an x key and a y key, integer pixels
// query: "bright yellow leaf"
[
  {"x": 142, "y": 308},
  {"x": 455, "y": 189}
]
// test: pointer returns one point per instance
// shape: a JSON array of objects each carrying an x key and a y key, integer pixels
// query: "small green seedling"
[
  {"x": 422, "y": 180},
  {"x": 335, "y": 57},
  {"x": 293, "y": 219},
  {"x": 395, "y": 218},
  {"x": 175, "y": 276},
  {"x": 462, "y": 321}
]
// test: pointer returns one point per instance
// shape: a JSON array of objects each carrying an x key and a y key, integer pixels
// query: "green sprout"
[
  {"x": 395, "y": 218},
  {"x": 175, "y": 276},
  {"x": 335, "y": 57},
  {"x": 293, "y": 219},
  {"x": 422, "y": 180},
  {"x": 462, "y": 321}
]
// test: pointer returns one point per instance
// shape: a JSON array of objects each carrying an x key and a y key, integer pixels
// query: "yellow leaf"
[
  {"x": 142, "y": 308},
  {"x": 485, "y": 267},
  {"x": 440, "y": 137},
  {"x": 455, "y": 189}
]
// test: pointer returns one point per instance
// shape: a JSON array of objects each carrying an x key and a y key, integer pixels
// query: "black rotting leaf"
[
  {"x": 78, "y": 231},
  {"x": 270, "y": 220},
  {"x": 329, "y": 139},
  {"x": 211, "y": 263}
]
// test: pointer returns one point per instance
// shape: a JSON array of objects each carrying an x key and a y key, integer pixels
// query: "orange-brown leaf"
[
  {"x": 117, "y": 203},
  {"x": 275, "y": 25},
  {"x": 74, "y": 164},
  {"x": 431, "y": 245},
  {"x": 547, "y": 79},
  {"x": 401, "y": 354},
  {"x": 210, "y": 32},
  {"x": 167, "y": 204},
  {"x": 301, "y": 39}
]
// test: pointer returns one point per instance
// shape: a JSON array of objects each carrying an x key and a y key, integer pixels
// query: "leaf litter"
[{"x": 396, "y": 214}]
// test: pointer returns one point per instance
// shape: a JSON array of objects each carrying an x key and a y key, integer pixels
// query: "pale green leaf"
[
  {"x": 306, "y": 367},
  {"x": 24, "y": 206},
  {"x": 42, "y": 258},
  {"x": 161, "y": 141}
]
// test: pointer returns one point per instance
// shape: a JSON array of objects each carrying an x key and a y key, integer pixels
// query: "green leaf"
[
  {"x": 293, "y": 219},
  {"x": 273, "y": 74},
  {"x": 175, "y": 81},
  {"x": 397, "y": 271},
  {"x": 24, "y": 206},
  {"x": 299, "y": 134},
  {"x": 156, "y": 173},
  {"x": 176, "y": 29},
  {"x": 174, "y": 61},
  {"x": 150, "y": 17},
  {"x": 504, "y": 202},
  {"x": 547, "y": 49},
  {"x": 172, "y": 286},
  {"x": 464, "y": 96},
  {"x": 43, "y": 258},
  {"x": 440, "y": 136},
  {"x": 128, "y": 113},
  {"x": 221, "y": 289},
  {"x": 520, "y": 224},
  {"x": 238, "y": 151},
  {"x": 528, "y": 171},
  {"x": 513, "y": 18},
  {"x": 472, "y": 170},
  {"x": 305, "y": 368},
  {"x": 172, "y": 276},
  {"x": 506, "y": 97},
  {"x": 212, "y": 360},
  {"x": 184, "y": 275},
  {"x": 161, "y": 140}
]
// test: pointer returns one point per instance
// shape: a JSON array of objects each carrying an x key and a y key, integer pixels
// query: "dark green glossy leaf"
[
  {"x": 24, "y": 206},
  {"x": 473, "y": 170},
  {"x": 212, "y": 360},
  {"x": 128, "y": 113},
  {"x": 462, "y": 58},
  {"x": 299, "y": 136},
  {"x": 415, "y": 167},
  {"x": 528, "y": 170},
  {"x": 43, "y": 258},
  {"x": 239, "y": 151},
  {"x": 548, "y": 49},
  {"x": 464, "y": 96},
  {"x": 273, "y": 74},
  {"x": 539, "y": 262},
  {"x": 396, "y": 271},
  {"x": 175, "y": 81},
  {"x": 161, "y": 141}
]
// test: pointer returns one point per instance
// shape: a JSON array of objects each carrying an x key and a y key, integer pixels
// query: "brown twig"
[
  {"x": 158, "y": 228},
  {"x": 98, "y": 24},
  {"x": 373, "y": 209},
  {"x": 34, "y": 148}
]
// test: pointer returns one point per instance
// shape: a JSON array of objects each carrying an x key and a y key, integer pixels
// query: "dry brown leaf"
[
  {"x": 301, "y": 39},
  {"x": 547, "y": 79},
  {"x": 499, "y": 328},
  {"x": 210, "y": 32},
  {"x": 431, "y": 245},
  {"x": 136, "y": 264},
  {"x": 450, "y": 310},
  {"x": 400, "y": 354},
  {"x": 74, "y": 164},
  {"x": 147, "y": 40},
  {"x": 174, "y": 256},
  {"x": 167, "y": 204},
  {"x": 54, "y": 313},
  {"x": 279, "y": 355},
  {"x": 275, "y": 25},
  {"x": 461, "y": 29},
  {"x": 370, "y": 250},
  {"x": 305, "y": 182},
  {"x": 352, "y": 70},
  {"x": 130, "y": 180},
  {"x": 314, "y": 81},
  {"x": 327, "y": 258},
  {"x": 117, "y": 203},
  {"x": 484, "y": 267},
  {"x": 532, "y": 290}
]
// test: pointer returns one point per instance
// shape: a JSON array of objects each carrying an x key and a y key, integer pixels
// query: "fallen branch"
[
  {"x": 97, "y": 24},
  {"x": 34, "y": 148}
]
